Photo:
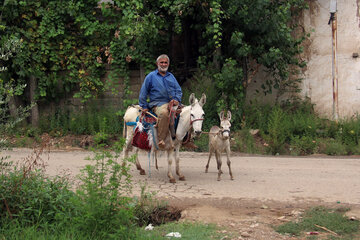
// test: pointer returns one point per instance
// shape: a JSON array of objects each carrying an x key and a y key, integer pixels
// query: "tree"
[
  {"x": 8, "y": 48},
  {"x": 63, "y": 46},
  {"x": 67, "y": 45}
]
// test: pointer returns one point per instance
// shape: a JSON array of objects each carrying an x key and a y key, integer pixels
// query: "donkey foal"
[{"x": 219, "y": 140}]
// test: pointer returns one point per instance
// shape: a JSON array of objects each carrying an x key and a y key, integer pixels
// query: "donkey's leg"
[
  {"x": 170, "y": 155},
  {"x": 229, "y": 162},
  {"x": 177, "y": 163},
  {"x": 156, "y": 165},
  {"x": 211, "y": 151},
  {"x": 218, "y": 160},
  {"x": 138, "y": 166},
  {"x": 127, "y": 145}
]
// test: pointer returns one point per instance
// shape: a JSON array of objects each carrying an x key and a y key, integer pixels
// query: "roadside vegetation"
[
  {"x": 34, "y": 205},
  {"x": 322, "y": 223},
  {"x": 285, "y": 129}
]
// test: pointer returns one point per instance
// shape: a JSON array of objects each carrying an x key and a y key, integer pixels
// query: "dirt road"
[{"x": 265, "y": 187}]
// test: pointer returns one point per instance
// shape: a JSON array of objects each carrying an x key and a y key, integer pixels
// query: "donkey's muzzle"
[{"x": 197, "y": 133}]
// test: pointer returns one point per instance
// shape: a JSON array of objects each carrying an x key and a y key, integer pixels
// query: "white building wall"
[
  {"x": 318, "y": 77},
  {"x": 317, "y": 82}
]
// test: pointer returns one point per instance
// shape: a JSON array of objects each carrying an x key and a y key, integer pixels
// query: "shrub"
[
  {"x": 202, "y": 143},
  {"x": 105, "y": 211},
  {"x": 84, "y": 121},
  {"x": 29, "y": 197},
  {"x": 277, "y": 130},
  {"x": 350, "y": 131},
  {"x": 256, "y": 116},
  {"x": 331, "y": 147},
  {"x": 303, "y": 145},
  {"x": 102, "y": 139},
  {"x": 244, "y": 142}
]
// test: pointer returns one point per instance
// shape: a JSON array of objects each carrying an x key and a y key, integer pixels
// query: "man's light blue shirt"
[{"x": 160, "y": 90}]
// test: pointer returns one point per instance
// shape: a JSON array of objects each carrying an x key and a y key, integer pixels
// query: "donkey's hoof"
[
  {"x": 172, "y": 180},
  {"x": 142, "y": 172},
  {"x": 182, "y": 178},
  {"x": 206, "y": 170}
]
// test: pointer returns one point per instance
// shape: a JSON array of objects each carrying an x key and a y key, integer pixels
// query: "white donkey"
[
  {"x": 219, "y": 140},
  {"x": 191, "y": 116}
]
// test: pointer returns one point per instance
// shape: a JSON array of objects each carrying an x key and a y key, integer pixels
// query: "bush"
[
  {"x": 350, "y": 131},
  {"x": 303, "y": 145},
  {"x": 277, "y": 130},
  {"x": 202, "y": 143},
  {"x": 244, "y": 142},
  {"x": 331, "y": 147},
  {"x": 29, "y": 197},
  {"x": 105, "y": 211},
  {"x": 87, "y": 121},
  {"x": 32, "y": 203}
]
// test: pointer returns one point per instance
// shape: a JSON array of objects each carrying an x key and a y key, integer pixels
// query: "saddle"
[
  {"x": 145, "y": 126},
  {"x": 145, "y": 135}
]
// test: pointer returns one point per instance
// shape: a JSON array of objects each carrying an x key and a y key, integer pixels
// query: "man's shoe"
[{"x": 190, "y": 145}]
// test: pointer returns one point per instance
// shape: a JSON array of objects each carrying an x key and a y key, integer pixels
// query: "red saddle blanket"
[{"x": 140, "y": 138}]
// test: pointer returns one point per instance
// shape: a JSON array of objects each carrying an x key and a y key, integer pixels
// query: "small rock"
[
  {"x": 254, "y": 225},
  {"x": 184, "y": 214},
  {"x": 149, "y": 227},
  {"x": 254, "y": 131},
  {"x": 245, "y": 234},
  {"x": 296, "y": 213},
  {"x": 353, "y": 214}
]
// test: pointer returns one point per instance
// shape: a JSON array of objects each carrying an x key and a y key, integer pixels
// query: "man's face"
[{"x": 163, "y": 65}]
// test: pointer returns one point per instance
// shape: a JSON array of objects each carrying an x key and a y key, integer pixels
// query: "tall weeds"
[{"x": 46, "y": 207}]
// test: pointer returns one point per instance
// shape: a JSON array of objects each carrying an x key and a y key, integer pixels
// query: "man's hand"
[
  {"x": 174, "y": 102},
  {"x": 145, "y": 110}
]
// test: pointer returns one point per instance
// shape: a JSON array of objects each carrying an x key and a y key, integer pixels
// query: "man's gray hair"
[{"x": 163, "y": 56}]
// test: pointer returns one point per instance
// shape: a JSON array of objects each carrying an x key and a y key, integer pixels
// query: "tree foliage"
[{"x": 67, "y": 45}]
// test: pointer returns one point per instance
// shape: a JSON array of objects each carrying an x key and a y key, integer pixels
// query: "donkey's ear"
[
  {"x": 221, "y": 115},
  {"x": 192, "y": 99},
  {"x": 228, "y": 116},
  {"x": 202, "y": 100}
]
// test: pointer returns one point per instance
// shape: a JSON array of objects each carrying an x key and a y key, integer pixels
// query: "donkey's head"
[
  {"x": 225, "y": 124},
  {"x": 197, "y": 113}
]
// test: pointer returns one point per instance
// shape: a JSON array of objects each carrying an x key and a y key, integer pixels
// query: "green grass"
[
  {"x": 332, "y": 219},
  {"x": 187, "y": 230}
]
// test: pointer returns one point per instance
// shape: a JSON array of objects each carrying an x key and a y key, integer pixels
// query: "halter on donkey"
[{"x": 191, "y": 116}]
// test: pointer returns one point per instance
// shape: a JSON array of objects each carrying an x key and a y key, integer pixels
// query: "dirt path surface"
[{"x": 266, "y": 191}]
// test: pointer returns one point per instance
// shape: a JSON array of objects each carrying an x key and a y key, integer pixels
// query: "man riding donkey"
[{"x": 164, "y": 93}]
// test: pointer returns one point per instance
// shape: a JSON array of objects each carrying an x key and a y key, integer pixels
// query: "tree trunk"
[
  {"x": 12, "y": 107},
  {"x": 35, "y": 109}
]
